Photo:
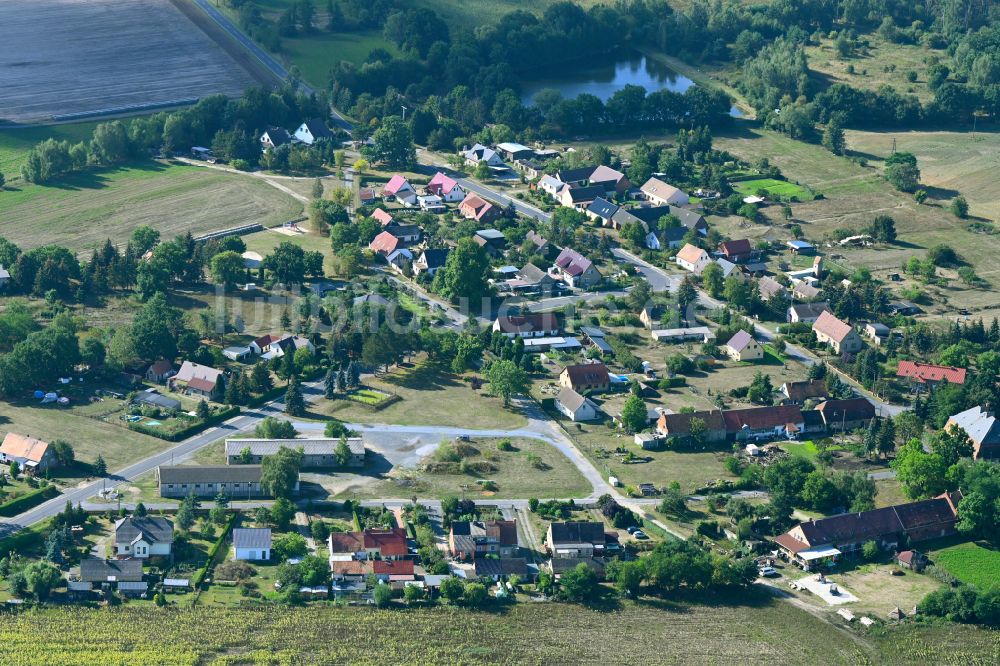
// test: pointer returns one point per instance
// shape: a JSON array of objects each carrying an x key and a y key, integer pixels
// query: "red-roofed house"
[
  {"x": 474, "y": 207},
  {"x": 764, "y": 422},
  {"x": 535, "y": 325},
  {"x": 387, "y": 544},
  {"x": 692, "y": 258},
  {"x": 925, "y": 373},
  {"x": 736, "y": 251},
  {"x": 838, "y": 334},
  {"x": 384, "y": 218},
  {"x": 194, "y": 378},
  {"x": 585, "y": 378},
  {"x": 385, "y": 244},
  {"x": 401, "y": 189},
  {"x": 445, "y": 187}
]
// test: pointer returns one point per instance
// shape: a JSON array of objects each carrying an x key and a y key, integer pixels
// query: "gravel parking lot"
[{"x": 62, "y": 57}]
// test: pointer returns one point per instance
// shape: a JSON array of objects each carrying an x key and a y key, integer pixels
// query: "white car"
[{"x": 767, "y": 572}]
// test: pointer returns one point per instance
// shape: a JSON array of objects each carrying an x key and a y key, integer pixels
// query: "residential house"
[
  {"x": 207, "y": 481},
  {"x": 782, "y": 421},
  {"x": 385, "y": 544},
  {"x": 395, "y": 572},
  {"x": 798, "y": 392},
  {"x": 153, "y": 398},
  {"x": 430, "y": 261},
  {"x": 742, "y": 347},
  {"x": 806, "y": 313},
  {"x": 527, "y": 325},
  {"x": 494, "y": 569},
  {"x": 576, "y": 270},
  {"x": 672, "y": 335},
  {"x": 408, "y": 234},
  {"x": 385, "y": 244},
  {"x": 383, "y": 217},
  {"x": 477, "y": 539},
  {"x": 480, "y": 153},
  {"x": 541, "y": 244},
  {"x": 603, "y": 210},
  {"x": 816, "y": 543},
  {"x": 576, "y": 539},
  {"x": 4, "y": 276},
  {"x": 805, "y": 291},
  {"x": 346, "y": 546},
  {"x": 160, "y": 371},
  {"x": 446, "y": 187},
  {"x": 30, "y": 453},
  {"x": 580, "y": 198},
  {"x": 575, "y": 406},
  {"x": 729, "y": 268},
  {"x": 491, "y": 240},
  {"x": 279, "y": 345},
  {"x": 650, "y": 217},
  {"x": 737, "y": 251},
  {"x": 679, "y": 425},
  {"x": 316, "y": 451},
  {"x": 926, "y": 373},
  {"x": 399, "y": 260},
  {"x": 692, "y": 258},
  {"x": 838, "y": 334},
  {"x": 661, "y": 193},
  {"x": 143, "y": 537},
  {"x": 800, "y": 247},
  {"x": 877, "y": 333},
  {"x": 122, "y": 575},
  {"x": 431, "y": 203},
  {"x": 274, "y": 137},
  {"x": 312, "y": 131},
  {"x": 474, "y": 207},
  {"x": 367, "y": 196},
  {"x": 196, "y": 379},
  {"x": 550, "y": 185},
  {"x": 400, "y": 189},
  {"x": 912, "y": 559},
  {"x": 983, "y": 428},
  {"x": 585, "y": 378},
  {"x": 530, "y": 168},
  {"x": 846, "y": 415},
  {"x": 514, "y": 151},
  {"x": 768, "y": 288},
  {"x": 237, "y": 353},
  {"x": 560, "y": 565},
  {"x": 534, "y": 278},
  {"x": 650, "y": 316},
  {"x": 578, "y": 177},
  {"x": 252, "y": 544},
  {"x": 610, "y": 180},
  {"x": 350, "y": 571},
  {"x": 262, "y": 345}
]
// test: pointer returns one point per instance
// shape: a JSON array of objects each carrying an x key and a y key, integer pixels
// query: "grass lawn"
[
  {"x": 86, "y": 208},
  {"x": 532, "y": 469},
  {"x": 88, "y": 436},
  {"x": 775, "y": 188},
  {"x": 878, "y": 591},
  {"x": 16, "y": 142},
  {"x": 431, "y": 395},
  {"x": 973, "y": 563}
]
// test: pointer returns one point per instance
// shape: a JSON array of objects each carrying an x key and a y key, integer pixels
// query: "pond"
[{"x": 605, "y": 80}]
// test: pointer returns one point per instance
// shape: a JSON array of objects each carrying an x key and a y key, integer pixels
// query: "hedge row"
[
  {"x": 28, "y": 500},
  {"x": 213, "y": 552},
  {"x": 192, "y": 429},
  {"x": 25, "y": 540}
]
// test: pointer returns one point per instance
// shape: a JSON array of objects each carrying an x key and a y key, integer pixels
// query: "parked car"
[
  {"x": 639, "y": 534},
  {"x": 632, "y": 529},
  {"x": 768, "y": 572}
]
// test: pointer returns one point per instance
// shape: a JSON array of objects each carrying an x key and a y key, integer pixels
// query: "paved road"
[{"x": 174, "y": 455}]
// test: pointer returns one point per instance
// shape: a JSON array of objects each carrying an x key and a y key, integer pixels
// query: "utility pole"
[{"x": 404, "y": 113}]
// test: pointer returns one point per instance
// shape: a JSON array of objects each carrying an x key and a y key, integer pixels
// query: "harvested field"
[
  {"x": 78, "y": 56},
  {"x": 87, "y": 208}
]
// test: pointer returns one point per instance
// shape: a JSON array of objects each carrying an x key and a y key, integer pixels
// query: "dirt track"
[{"x": 70, "y": 56}]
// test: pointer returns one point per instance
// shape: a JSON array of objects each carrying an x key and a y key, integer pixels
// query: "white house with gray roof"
[
  {"x": 575, "y": 406},
  {"x": 143, "y": 537},
  {"x": 252, "y": 543}
]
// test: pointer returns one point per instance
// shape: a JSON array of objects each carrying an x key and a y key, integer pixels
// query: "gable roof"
[
  {"x": 809, "y": 310},
  {"x": 740, "y": 341},
  {"x": 853, "y": 409},
  {"x": 312, "y": 446},
  {"x": 154, "y": 529},
  {"x": 161, "y": 367},
  {"x": 576, "y": 175},
  {"x": 570, "y": 399},
  {"x": 278, "y": 136},
  {"x": 532, "y": 274},
  {"x": 528, "y": 323},
  {"x": 209, "y": 473},
  {"x": 539, "y": 241},
  {"x": 982, "y": 427},
  {"x": 659, "y": 189},
  {"x": 505, "y": 566},
  {"x": 692, "y": 254},
  {"x": 551, "y": 181},
  {"x": 829, "y": 325},
  {"x": 809, "y": 388},
  {"x": 396, "y": 184},
  {"x": 572, "y": 262},
  {"x": 768, "y": 287},
  {"x": 393, "y": 567},
  {"x": 434, "y": 257},
  {"x": 441, "y": 184},
  {"x": 318, "y": 128},
  {"x": 384, "y": 243},
  {"x": 389, "y": 543},
  {"x": 24, "y": 447},
  {"x": 602, "y": 208},
  {"x": 680, "y": 424},
  {"x": 382, "y": 216},
  {"x": 103, "y": 571},
  {"x": 504, "y": 531},
  {"x": 757, "y": 418},
  {"x": 252, "y": 537},
  {"x": 605, "y": 174},
  {"x": 587, "y": 373},
  {"x": 403, "y": 230},
  {"x": 925, "y": 372},
  {"x": 577, "y": 532},
  {"x": 190, "y": 370},
  {"x": 733, "y": 247},
  {"x": 806, "y": 290}
]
